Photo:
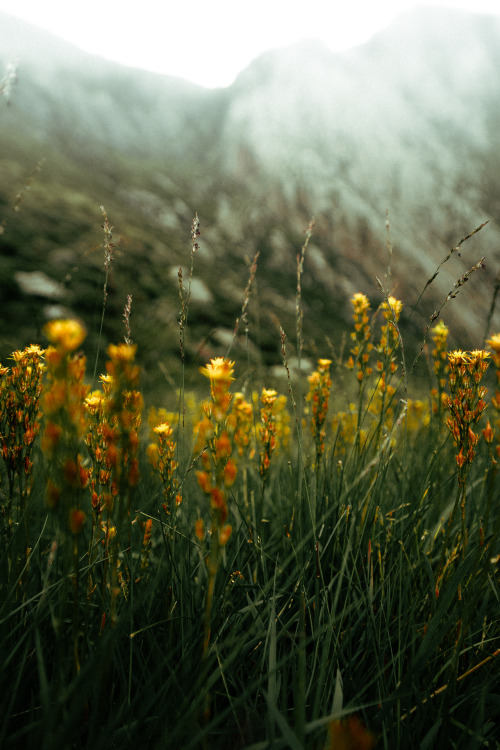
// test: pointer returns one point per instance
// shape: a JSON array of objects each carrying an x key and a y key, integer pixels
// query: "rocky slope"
[{"x": 407, "y": 122}]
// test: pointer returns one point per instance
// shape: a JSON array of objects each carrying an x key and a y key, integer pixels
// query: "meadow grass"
[{"x": 256, "y": 569}]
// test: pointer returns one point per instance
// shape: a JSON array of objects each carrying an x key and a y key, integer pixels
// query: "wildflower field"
[{"x": 253, "y": 569}]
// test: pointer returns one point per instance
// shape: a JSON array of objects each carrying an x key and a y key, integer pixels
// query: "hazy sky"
[{"x": 210, "y": 41}]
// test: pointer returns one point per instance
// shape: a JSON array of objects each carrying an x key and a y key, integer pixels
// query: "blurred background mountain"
[{"x": 409, "y": 122}]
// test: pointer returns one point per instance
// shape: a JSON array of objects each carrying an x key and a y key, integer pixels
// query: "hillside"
[{"x": 407, "y": 122}]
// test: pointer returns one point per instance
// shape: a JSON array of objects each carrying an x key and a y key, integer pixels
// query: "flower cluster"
[
  {"x": 346, "y": 432},
  {"x": 124, "y": 407},
  {"x": 114, "y": 418},
  {"x": 65, "y": 422},
  {"x": 466, "y": 403},
  {"x": 360, "y": 353},
  {"x": 20, "y": 391},
  {"x": 103, "y": 488},
  {"x": 494, "y": 343},
  {"x": 166, "y": 448},
  {"x": 242, "y": 423},
  {"x": 112, "y": 437},
  {"x": 318, "y": 396},
  {"x": 65, "y": 335},
  {"x": 417, "y": 415},
  {"x": 439, "y": 336},
  {"x": 267, "y": 431},
  {"x": 218, "y": 474},
  {"x": 389, "y": 340},
  {"x": 215, "y": 444},
  {"x": 381, "y": 403}
]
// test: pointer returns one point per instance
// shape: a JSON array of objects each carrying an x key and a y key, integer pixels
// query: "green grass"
[{"x": 347, "y": 585}]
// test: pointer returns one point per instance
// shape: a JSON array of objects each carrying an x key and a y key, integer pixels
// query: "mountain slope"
[{"x": 408, "y": 122}]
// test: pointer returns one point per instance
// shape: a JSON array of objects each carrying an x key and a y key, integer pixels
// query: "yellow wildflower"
[
  {"x": 66, "y": 334},
  {"x": 218, "y": 369},
  {"x": 494, "y": 342}
]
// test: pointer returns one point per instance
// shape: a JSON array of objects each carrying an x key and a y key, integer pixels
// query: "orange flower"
[
  {"x": 163, "y": 430},
  {"x": 229, "y": 473},
  {"x": 123, "y": 353},
  {"x": 393, "y": 306},
  {"x": 204, "y": 481},
  {"x": 268, "y": 396},
  {"x": 52, "y": 494},
  {"x": 53, "y": 357},
  {"x": 488, "y": 433},
  {"x": 51, "y": 437},
  {"x": 461, "y": 458},
  {"x": 94, "y": 402},
  {"x": 218, "y": 369},
  {"x": 148, "y": 528},
  {"x": 84, "y": 476},
  {"x": 29, "y": 436},
  {"x": 360, "y": 303},
  {"x": 217, "y": 498},
  {"x": 153, "y": 454},
  {"x": 133, "y": 473},
  {"x": 349, "y": 734},
  {"x": 224, "y": 534},
  {"x": 76, "y": 520},
  {"x": 223, "y": 446},
  {"x": 494, "y": 342},
  {"x": 70, "y": 472},
  {"x": 324, "y": 364},
  {"x": 55, "y": 398},
  {"x": 199, "y": 529},
  {"x": 65, "y": 334}
]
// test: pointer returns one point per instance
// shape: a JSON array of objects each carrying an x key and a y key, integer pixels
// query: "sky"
[{"x": 210, "y": 41}]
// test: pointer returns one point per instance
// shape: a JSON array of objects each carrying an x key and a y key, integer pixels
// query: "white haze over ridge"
[{"x": 209, "y": 43}]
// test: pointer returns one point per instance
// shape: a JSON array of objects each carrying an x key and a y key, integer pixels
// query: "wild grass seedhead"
[
  {"x": 127, "y": 311},
  {"x": 20, "y": 197},
  {"x": 109, "y": 252},
  {"x": 299, "y": 314},
  {"x": 109, "y": 247},
  {"x": 451, "y": 294},
  {"x": 185, "y": 294},
  {"x": 243, "y": 318},
  {"x": 454, "y": 250}
]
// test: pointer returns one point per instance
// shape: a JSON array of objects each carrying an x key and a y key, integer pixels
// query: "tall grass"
[{"x": 253, "y": 570}]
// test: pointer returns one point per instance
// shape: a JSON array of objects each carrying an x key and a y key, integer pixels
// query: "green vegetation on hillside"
[{"x": 251, "y": 569}]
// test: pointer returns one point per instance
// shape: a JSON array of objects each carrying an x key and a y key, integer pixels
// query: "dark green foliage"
[{"x": 364, "y": 578}]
